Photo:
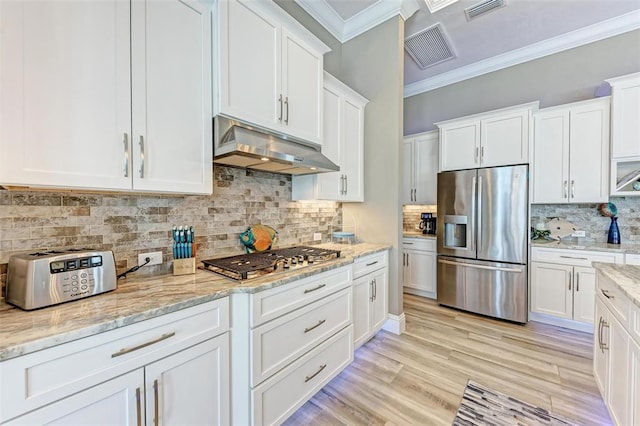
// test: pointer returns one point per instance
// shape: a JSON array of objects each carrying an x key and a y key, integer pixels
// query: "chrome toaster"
[{"x": 37, "y": 280}]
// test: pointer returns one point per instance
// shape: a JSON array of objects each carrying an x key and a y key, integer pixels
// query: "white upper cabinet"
[
  {"x": 570, "y": 155},
  {"x": 420, "y": 168},
  {"x": 495, "y": 138},
  {"x": 106, "y": 95},
  {"x": 270, "y": 70}
]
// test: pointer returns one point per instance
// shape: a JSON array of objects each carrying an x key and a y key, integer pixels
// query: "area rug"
[{"x": 482, "y": 406}]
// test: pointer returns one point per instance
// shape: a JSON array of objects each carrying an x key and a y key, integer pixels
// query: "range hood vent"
[
  {"x": 483, "y": 7},
  {"x": 429, "y": 47},
  {"x": 243, "y": 145}
]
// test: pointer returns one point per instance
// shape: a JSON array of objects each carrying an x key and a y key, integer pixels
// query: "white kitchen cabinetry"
[
  {"x": 419, "y": 266},
  {"x": 172, "y": 369},
  {"x": 616, "y": 352},
  {"x": 270, "y": 72},
  {"x": 288, "y": 342},
  {"x": 570, "y": 153},
  {"x": 106, "y": 95},
  {"x": 632, "y": 259},
  {"x": 563, "y": 286},
  {"x": 420, "y": 168},
  {"x": 343, "y": 143},
  {"x": 495, "y": 138},
  {"x": 371, "y": 276}
]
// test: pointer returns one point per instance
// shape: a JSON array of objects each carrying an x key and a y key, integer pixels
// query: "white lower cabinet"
[
  {"x": 419, "y": 266},
  {"x": 369, "y": 296},
  {"x": 170, "y": 370}
]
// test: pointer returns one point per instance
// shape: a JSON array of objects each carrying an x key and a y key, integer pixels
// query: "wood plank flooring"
[{"x": 419, "y": 377}]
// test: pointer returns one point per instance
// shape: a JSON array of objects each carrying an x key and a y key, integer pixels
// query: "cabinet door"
[
  {"x": 352, "y": 157},
  {"x": 362, "y": 305},
  {"x": 460, "y": 145},
  {"x": 600, "y": 341},
  {"x": 330, "y": 184},
  {"x": 589, "y": 153},
  {"x": 171, "y": 73},
  {"x": 425, "y": 165},
  {"x": 618, "y": 387},
  {"x": 302, "y": 89},
  {"x": 116, "y": 402},
  {"x": 407, "y": 171},
  {"x": 551, "y": 289},
  {"x": 190, "y": 387},
  {"x": 634, "y": 365},
  {"x": 625, "y": 130},
  {"x": 65, "y": 103},
  {"x": 550, "y": 162},
  {"x": 584, "y": 294},
  {"x": 420, "y": 270},
  {"x": 379, "y": 303},
  {"x": 250, "y": 55},
  {"x": 505, "y": 140}
]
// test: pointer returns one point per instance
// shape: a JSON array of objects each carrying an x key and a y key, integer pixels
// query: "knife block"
[{"x": 184, "y": 266}]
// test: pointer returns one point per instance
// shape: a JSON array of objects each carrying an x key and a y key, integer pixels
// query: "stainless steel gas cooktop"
[{"x": 253, "y": 265}]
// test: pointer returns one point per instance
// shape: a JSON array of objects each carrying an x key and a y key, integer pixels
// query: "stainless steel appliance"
[
  {"x": 254, "y": 265},
  {"x": 482, "y": 241},
  {"x": 40, "y": 279},
  {"x": 427, "y": 223}
]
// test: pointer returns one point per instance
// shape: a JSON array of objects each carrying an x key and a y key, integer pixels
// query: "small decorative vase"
[{"x": 614, "y": 231}]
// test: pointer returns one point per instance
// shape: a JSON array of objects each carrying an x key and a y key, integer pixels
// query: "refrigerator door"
[
  {"x": 455, "y": 224},
  {"x": 495, "y": 289},
  {"x": 502, "y": 214}
]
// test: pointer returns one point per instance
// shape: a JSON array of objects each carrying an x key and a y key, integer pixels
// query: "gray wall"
[
  {"x": 564, "y": 77},
  {"x": 372, "y": 64}
]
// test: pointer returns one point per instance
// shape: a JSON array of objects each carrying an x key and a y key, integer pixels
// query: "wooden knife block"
[{"x": 184, "y": 266}]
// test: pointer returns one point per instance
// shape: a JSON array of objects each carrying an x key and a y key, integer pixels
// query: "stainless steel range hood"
[{"x": 243, "y": 145}]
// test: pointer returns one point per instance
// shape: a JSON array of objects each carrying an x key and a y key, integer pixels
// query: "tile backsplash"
[
  {"x": 586, "y": 218},
  {"x": 130, "y": 224},
  {"x": 411, "y": 216}
]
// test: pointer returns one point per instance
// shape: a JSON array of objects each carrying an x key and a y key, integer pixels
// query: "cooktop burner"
[{"x": 253, "y": 265}]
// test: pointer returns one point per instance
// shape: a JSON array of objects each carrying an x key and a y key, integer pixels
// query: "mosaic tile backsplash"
[
  {"x": 131, "y": 224},
  {"x": 411, "y": 216}
]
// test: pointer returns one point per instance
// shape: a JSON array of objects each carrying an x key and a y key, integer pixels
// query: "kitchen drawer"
[
  {"x": 277, "y": 398},
  {"x": 269, "y": 304},
  {"x": 33, "y": 380},
  {"x": 614, "y": 299},
  {"x": 419, "y": 244},
  {"x": 370, "y": 263},
  {"x": 574, "y": 257},
  {"x": 279, "y": 342},
  {"x": 632, "y": 259}
]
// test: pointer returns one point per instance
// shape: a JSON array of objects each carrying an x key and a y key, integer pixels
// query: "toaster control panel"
[{"x": 75, "y": 264}]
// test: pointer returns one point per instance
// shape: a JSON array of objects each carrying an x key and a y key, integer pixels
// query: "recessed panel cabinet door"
[
  {"x": 551, "y": 289},
  {"x": 352, "y": 162},
  {"x": 505, "y": 139},
  {"x": 407, "y": 171},
  {"x": 361, "y": 309},
  {"x": 171, "y": 73},
  {"x": 329, "y": 184},
  {"x": 65, "y": 103},
  {"x": 420, "y": 270},
  {"x": 584, "y": 294},
  {"x": 425, "y": 165},
  {"x": 550, "y": 162},
  {"x": 618, "y": 396},
  {"x": 460, "y": 146}
]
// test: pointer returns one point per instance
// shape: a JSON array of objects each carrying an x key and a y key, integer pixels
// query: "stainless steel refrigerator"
[{"x": 482, "y": 231}]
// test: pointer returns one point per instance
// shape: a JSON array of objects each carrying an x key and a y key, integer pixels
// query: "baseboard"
[
  {"x": 421, "y": 293},
  {"x": 561, "y": 322},
  {"x": 395, "y": 324}
]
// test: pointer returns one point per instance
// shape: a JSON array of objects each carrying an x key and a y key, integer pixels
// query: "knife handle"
[{"x": 175, "y": 250}]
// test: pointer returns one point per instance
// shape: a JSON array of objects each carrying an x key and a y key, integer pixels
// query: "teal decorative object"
[
  {"x": 608, "y": 210},
  {"x": 636, "y": 185}
]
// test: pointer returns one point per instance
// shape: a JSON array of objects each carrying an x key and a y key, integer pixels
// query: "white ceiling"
[{"x": 520, "y": 31}]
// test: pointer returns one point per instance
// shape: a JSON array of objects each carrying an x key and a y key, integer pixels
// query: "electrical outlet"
[
  {"x": 156, "y": 258},
  {"x": 579, "y": 234},
  {"x": 317, "y": 236}
]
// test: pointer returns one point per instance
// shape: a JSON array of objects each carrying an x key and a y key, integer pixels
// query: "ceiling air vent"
[
  {"x": 429, "y": 47},
  {"x": 483, "y": 7}
]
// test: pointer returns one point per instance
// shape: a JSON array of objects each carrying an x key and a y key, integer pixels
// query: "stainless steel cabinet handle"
[
  {"x": 600, "y": 334},
  {"x": 138, "y": 408},
  {"x": 404, "y": 259},
  {"x": 606, "y": 294},
  {"x": 286, "y": 104},
  {"x": 141, "y": 156},
  {"x": 144, "y": 345},
  {"x": 604, "y": 345},
  {"x": 322, "y": 367},
  {"x": 407, "y": 259},
  {"x": 573, "y": 257},
  {"x": 415, "y": 194},
  {"x": 309, "y": 290},
  {"x": 573, "y": 189},
  {"x": 566, "y": 188},
  {"x": 570, "y": 279},
  {"x": 372, "y": 263},
  {"x": 280, "y": 100},
  {"x": 346, "y": 184},
  {"x": 371, "y": 291},
  {"x": 156, "y": 410},
  {"x": 482, "y": 153},
  {"x": 313, "y": 327},
  {"x": 375, "y": 289},
  {"x": 477, "y": 152},
  {"x": 126, "y": 155},
  {"x": 578, "y": 281}
]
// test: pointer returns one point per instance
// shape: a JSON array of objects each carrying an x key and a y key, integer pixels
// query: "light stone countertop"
[
  {"x": 410, "y": 234},
  {"x": 576, "y": 244},
  {"x": 627, "y": 277},
  {"x": 140, "y": 298}
]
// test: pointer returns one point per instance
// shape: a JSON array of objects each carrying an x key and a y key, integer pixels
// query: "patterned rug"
[{"x": 482, "y": 406}]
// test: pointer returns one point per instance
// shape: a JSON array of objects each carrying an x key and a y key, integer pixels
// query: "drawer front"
[
  {"x": 370, "y": 263},
  {"x": 272, "y": 303},
  {"x": 40, "y": 378},
  {"x": 281, "y": 341},
  {"x": 574, "y": 257},
  {"x": 632, "y": 259},
  {"x": 419, "y": 244},
  {"x": 614, "y": 299},
  {"x": 277, "y": 398}
]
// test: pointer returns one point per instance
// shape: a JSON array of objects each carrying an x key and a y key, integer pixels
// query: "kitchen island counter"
[
  {"x": 139, "y": 298},
  {"x": 626, "y": 277}
]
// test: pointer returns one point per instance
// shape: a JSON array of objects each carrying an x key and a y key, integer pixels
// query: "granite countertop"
[
  {"x": 576, "y": 244},
  {"x": 627, "y": 277},
  {"x": 140, "y": 298},
  {"x": 416, "y": 234}
]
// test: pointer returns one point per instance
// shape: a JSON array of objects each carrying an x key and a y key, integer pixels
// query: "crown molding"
[
  {"x": 361, "y": 22},
  {"x": 599, "y": 31}
]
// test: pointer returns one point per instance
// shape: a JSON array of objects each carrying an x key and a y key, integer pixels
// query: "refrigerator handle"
[
  {"x": 478, "y": 223},
  {"x": 474, "y": 205},
  {"x": 474, "y": 266}
]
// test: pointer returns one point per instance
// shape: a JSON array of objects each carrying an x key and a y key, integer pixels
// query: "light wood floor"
[{"x": 419, "y": 377}]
